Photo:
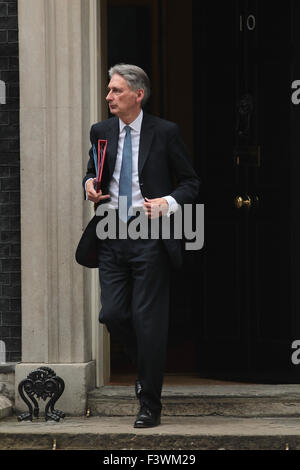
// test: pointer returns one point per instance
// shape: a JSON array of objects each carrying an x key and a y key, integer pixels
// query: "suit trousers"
[{"x": 134, "y": 280}]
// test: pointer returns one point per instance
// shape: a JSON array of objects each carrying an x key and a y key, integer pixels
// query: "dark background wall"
[{"x": 10, "y": 263}]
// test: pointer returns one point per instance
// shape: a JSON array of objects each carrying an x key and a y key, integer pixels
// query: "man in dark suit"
[{"x": 145, "y": 155}]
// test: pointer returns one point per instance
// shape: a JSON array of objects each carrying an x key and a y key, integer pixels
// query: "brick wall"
[{"x": 10, "y": 295}]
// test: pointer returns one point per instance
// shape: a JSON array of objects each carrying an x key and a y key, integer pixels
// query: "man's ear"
[{"x": 140, "y": 95}]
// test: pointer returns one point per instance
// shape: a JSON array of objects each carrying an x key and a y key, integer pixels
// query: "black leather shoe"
[
  {"x": 138, "y": 388},
  {"x": 146, "y": 418}
]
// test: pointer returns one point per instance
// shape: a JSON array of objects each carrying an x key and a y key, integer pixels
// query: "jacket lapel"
[
  {"x": 146, "y": 137},
  {"x": 112, "y": 145}
]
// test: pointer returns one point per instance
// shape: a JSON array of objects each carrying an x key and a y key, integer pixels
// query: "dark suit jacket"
[{"x": 164, "y": 169}]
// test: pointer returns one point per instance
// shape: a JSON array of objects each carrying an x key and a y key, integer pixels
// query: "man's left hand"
[{"x": 155, "y": 207}]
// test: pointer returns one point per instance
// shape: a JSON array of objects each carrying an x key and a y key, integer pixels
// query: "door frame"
[{"x": 98, "y": 112}]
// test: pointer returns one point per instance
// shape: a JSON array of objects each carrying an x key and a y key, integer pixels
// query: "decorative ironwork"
[{"x": 41, "y": 383}]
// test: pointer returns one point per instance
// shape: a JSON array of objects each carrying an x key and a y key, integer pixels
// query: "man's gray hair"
[{"x": 135, "y": 77}]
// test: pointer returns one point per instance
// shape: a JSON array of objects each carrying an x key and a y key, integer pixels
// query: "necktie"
[{"x": 125, "y": 182}]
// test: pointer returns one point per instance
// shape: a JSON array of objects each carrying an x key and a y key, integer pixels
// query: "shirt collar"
[{"x": 135, "y": 125}]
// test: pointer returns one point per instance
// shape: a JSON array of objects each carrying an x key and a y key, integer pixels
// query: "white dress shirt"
[{"x": 137, "y": 198}]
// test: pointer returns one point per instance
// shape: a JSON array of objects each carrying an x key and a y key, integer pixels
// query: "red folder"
[{"x": 102, "y": 146}]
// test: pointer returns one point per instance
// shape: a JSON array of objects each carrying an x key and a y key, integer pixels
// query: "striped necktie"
[{"x": 125, "y": 182}]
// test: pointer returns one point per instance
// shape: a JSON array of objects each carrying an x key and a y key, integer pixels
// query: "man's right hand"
[{"x": 92, "y": 195}]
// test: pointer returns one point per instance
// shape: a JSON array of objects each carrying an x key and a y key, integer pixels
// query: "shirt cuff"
[
  {"x": 85, "y": 188},
  {"x": 173, "y": 205}
]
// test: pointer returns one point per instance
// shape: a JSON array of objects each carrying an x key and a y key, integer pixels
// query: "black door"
[
  {"x": 235, "y": 304},
  {"x": 243, "y": 69}
]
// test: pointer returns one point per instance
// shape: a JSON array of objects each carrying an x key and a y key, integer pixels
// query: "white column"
[{"x": 54, "y": 133}]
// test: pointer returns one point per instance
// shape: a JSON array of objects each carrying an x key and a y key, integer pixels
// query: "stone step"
[
  {"x": 6, "y": 407},
  {"x": 213, "y": 400},
  {"x": 190, "y": 433}
]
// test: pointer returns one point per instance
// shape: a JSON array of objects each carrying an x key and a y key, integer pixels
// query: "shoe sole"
[{"x": 146, "y": 426}]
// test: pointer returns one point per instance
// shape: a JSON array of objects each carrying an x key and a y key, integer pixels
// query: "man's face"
[{"x": 121, "y": 99}]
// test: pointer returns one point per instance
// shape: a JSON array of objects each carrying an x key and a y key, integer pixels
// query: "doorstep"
[
  {"x": 239, "y": 400},
  {"x": 182, "y": 433}
]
